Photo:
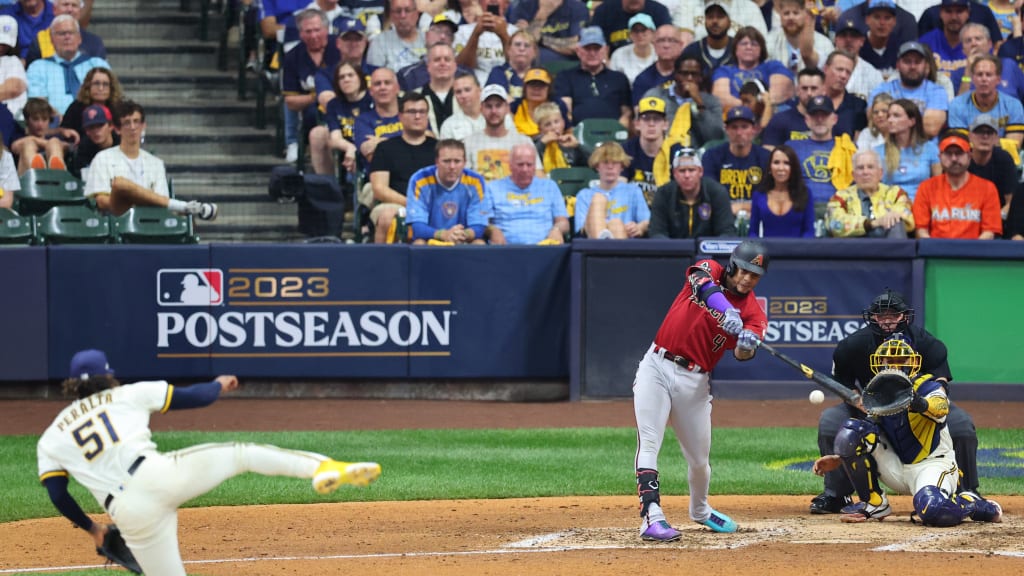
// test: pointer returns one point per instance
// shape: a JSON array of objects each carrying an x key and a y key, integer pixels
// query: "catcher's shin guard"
[
  {"x": 936, "y": 509},
  {"x": 979, "y": 509},
  {"x": 647, "y": 488},
  {"x": 854, "y": 444}
]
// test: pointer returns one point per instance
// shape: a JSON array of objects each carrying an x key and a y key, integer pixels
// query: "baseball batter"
[
  {"x": 715, "y": 311},
  {"x": 911, "y": 452},
  {"x": 103, "y": 439}
]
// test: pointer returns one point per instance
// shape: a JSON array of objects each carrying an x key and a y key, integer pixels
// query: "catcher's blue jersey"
[{"x": 914, "y": 436}]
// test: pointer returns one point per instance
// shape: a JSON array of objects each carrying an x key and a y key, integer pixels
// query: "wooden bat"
[{"x": 849, "y": 396}]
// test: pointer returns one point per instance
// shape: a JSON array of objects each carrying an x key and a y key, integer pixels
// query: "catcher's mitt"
[
  {"x": 115, "y": 550},
  {"x": 889, "y": 392}
]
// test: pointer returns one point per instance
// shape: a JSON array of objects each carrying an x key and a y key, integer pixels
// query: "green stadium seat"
[
  {"x": 572, "y": 180},
  {"x": 593, "y": 132},
  {"x": 74, "y": 225},
  {"x": 16, "y": 229},
  {"x": 556, "y": 66},
  {"x": 154, "y": 225},
  {"x": 44, "y": 189}
]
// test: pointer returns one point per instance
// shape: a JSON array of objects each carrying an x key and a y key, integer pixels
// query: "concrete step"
[
  {"x": 254, "y": 180},
  {"x": 223, "y": 193},
  {"x": 132, "y": 6},
  {"x": 171, "y": 112},
  {"x": 190, "y": 163},
  {"x": 224, "y": 141},
  {"x": 186, "y": 53},
  {"x": 154, "y": 24},
  {"x": 147, "y": 85}
]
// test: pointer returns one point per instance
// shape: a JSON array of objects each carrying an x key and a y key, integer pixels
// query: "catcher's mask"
[
  {"x": 888, "y": 303},
  {"x": 896, "y": 353}
]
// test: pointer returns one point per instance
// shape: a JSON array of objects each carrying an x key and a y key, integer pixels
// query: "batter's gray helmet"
[{"x": 751, "y": 256}]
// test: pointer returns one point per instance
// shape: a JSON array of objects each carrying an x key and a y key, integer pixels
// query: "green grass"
[{"x": 459, "y": 464}]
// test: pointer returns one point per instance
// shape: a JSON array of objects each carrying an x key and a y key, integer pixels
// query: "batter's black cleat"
[{"x": 826, "y": 504}]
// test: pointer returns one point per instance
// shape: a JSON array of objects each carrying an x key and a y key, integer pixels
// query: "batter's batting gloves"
[
  {"x": 733, "y": 323},
  {"x": 747, "y": 341}
]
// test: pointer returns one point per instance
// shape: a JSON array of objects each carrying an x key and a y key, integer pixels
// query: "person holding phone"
[{"x": 481, "y": 45}]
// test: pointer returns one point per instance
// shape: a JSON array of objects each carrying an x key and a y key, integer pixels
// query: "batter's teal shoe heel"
[{"x": 718, "y": 522}]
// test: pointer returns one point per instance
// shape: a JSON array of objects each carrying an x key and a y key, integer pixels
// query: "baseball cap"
[
  {"x": 443, "y": 18},
  {"x": 592, "y": 35},
  {"x": 954, "y": 3},
  {"x": 873, "y": 5},
  {"x": 740, "y": 113},
  {"x": 950, "y": 141},
  {"x": 712, "y": 3},
  {"x": 984, "y": 120},
  {"x": 652, "y": 104},
  {"x": 685, "y": 156},
  {"x": 86, "y": 363},
  {"x": 95, "y": 115},
  {"x": 494, "y": 90},
  {"x": 643, "y": 19},
  {"x": 537, "y": 75},
  {"x": 820, "y": 104},
  {"x": 8, "y": 31},
  {"x": 908, "y": 47},
  {"x": 848, "y": 25},
  {"x": 350, "y": 25}
]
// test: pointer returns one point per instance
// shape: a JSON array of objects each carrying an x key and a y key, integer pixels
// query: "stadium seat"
[
  {"x": 154, "y": 225},
  {"x": 570, "y": 181},
  {"x": 556, "y": 66},
  {"x": 44, "y": 189},
  {"x": 592, "y": 132},
  {"x": 74, "y": 225},
  {"x": 16, "y": 229}
]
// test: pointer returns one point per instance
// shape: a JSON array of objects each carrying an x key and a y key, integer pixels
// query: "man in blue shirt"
[
  {"x": 790, "y": 123},
  {"x": 945, "y": 40},
  {"x": 814, "y": 151},
  {"x": 447, "y": 203},
  {"x": 526, "y": 209},
  {"x": 613, "y": 17},
  {"x": 58, "y": 78},
  {"x": 976, "y": 41},
  {"x": 913, "y": 84},
  {"x": 987, "y": 98},
  {"x": 592, "y": 90},
  {"x": 737, "y": 164}
]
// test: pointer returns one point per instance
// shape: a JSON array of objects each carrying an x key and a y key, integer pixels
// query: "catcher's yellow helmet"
[{"x": 896, "y": 353}]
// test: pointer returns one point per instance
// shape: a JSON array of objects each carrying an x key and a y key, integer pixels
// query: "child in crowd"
[
  {"x": 558, "y": 148},
  {"x": 755, "y": 96},
  {"x": 43, "y": 147}
]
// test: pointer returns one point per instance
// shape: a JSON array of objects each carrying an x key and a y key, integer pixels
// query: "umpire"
[{"x": 887, "y": 315}]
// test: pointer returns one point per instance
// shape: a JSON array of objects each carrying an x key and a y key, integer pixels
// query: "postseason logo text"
[
  {"x": 289, "y": 310},
  {"x": 806, "y": 320}
]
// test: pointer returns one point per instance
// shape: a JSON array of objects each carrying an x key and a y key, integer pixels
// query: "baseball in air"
[{"x": 816, "y": 397}]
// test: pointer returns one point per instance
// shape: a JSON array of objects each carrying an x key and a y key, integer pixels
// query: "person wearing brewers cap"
[
  {"x": 691, "y": 204},
  {"x": 991, "y": 162},
  {"x": 957, "y": 204},
  {"x": 738, "y": 164},
  {"x": 816, "y": 152},
  {"x": 591, "y": 90},
  {"x": 1007, "y": 111},
  {"x": 850, "y": 38},
  {"x": 647, "y": 145},
  {"x": 639, "y": 53},
  {"x": 913, "y": 84},
  {"x": 555, "y": 25}
]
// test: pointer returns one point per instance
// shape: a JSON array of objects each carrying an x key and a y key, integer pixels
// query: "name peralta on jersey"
[
  {"x": 694, "y": 331},
  {"x": 97, "y": 438}
]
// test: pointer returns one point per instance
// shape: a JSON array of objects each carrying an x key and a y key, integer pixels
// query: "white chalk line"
[{"x": 526, "y": 546}]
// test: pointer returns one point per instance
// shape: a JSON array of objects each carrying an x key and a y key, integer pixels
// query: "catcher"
[
  {"x": 103, "y": 439},
  {"x": 905, "y": 443}
]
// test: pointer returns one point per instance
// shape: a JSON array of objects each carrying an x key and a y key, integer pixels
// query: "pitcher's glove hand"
[
  {"x": 115, "y": 550},
  {"x": 733, "y": 323},
  {"x": 889, "y": 392}
]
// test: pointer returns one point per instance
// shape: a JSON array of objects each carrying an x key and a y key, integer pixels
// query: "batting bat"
[{"x": 849, "y": 396}]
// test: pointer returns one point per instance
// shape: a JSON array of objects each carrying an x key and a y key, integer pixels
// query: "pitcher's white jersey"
[{"x": 97, "y": 438}]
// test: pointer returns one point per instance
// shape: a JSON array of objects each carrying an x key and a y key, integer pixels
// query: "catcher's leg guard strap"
[
  {"x": 647, "y": 488},
  {"x": 854, "y": 443},
  {"x": 936, "y": 509}
]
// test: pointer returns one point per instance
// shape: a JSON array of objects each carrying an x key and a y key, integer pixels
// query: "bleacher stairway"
[{"x": 195, "y": 121}]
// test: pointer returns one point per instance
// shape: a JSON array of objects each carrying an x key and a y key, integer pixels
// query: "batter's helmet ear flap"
[{"x": 751, "y": 256}]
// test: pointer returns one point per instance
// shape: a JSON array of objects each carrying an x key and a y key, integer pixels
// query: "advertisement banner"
[
  {"x": 811, "y": 306},
  {"x": 312, "y": 311},
  {"x": 23, "y": 349}
]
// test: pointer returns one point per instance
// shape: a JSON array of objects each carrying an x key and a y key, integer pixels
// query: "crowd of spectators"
[{"x": 877, "y": 118}]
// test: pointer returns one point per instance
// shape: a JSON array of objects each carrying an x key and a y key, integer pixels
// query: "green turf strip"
[{"x": 454, "y": 464}]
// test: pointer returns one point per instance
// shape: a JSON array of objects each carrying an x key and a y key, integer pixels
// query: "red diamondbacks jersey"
[{"x": 694, "y": 331}]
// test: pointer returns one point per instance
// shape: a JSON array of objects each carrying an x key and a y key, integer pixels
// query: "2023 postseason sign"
[{"x": 316, "y": 311}]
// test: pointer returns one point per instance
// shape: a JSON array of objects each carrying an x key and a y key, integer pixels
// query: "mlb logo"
[{"x": 189, "y": 287}]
